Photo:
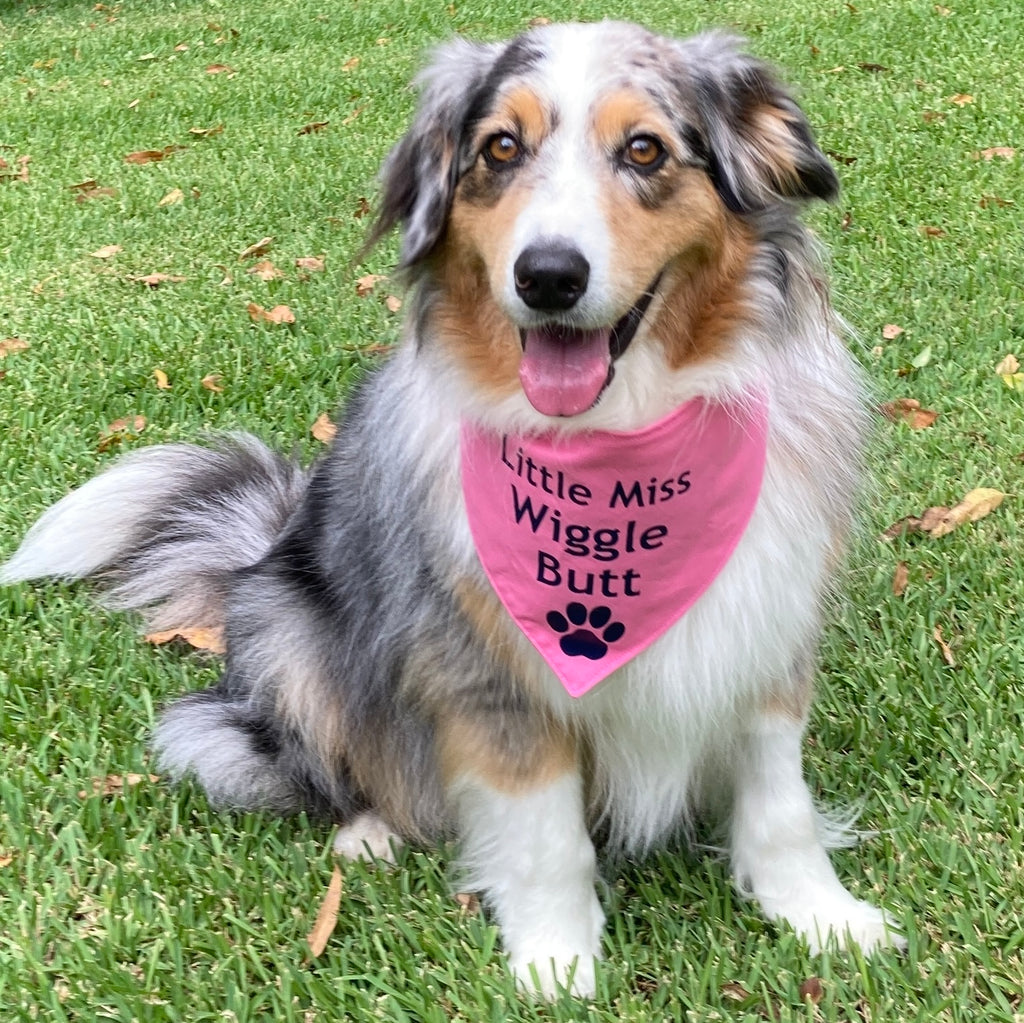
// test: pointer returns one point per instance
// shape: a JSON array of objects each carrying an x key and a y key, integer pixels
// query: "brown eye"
[
  {"x": 644, "y": 153},
  {"x": 502, "y": 150}
]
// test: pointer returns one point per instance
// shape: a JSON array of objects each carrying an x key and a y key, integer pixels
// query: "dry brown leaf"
[
  {"x": 205, "y": 133},
  {"x": 175, "y": 195},
  {"x": 102, "y": 192},
  {"x": 106, "y": 252},
  {"x": 932, "y": 232},
  {"x": 812, "y": 990},
  {"x": 1008, "y": 365},
  {"x": 209, "y": 639},
  {"x": 278, "y": 315},
  {"x": 735, "y": 992},
  {"x": 327, "y": 916},
  {"x": 115, "y": 784},
  {"x": 947, "y": 654},
  {"x": 351, "y": 64},
  {"x": 351, "y": 117},
  {"x": 313, "y": 127},
  {"x": 362, "y": 208},
  {"x": 120, "y": 430},
  {"x": 17, "y": 173},
  {"x": 313, "y": 264},
  {"x": 995, "y": 200},
  {"x": 220, "y": 69},
  {"x": 11, "y": 344},
  {"x": 212, "y": 383},
  {"x": 259, "y": 248},
  {"x": 900, "y": 577},
  {"x": 6, "y": 859},
  {"x": 366, "y": 283},
  {"x": 539, "y": 21},
  {"x": 961, "y": 99},
  {"x": 909, "y": 411},
  {"x": 931, "y": 116},
  {"x": 142, "y": 156},
  {"x": 323, "y": 429},
  {"x": 1002, "y": 152},
  {"x": 155, "y": 280},
  {"x": 891, "y": 331},
  {"x": 976, "y": 505},
  {"x": 469, "y": 902},
  {"x": 84, "y": 186},
  {"x": 162, "y": 382},
  {"x": 393, "y": 302},
  {"x": 265, "y": 270}
]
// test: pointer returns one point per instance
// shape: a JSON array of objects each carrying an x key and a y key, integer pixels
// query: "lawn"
[{"x": 123, "y": 899}]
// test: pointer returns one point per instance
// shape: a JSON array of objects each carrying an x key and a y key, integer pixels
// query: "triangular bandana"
[{"x": 596, "y": 543}]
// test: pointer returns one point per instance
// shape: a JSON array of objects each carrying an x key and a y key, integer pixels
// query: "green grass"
[{"x": 146, "y": 905}]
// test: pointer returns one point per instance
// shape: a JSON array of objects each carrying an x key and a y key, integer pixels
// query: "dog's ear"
[
  {"x": 760, "y": 145},
  {"x": 420, "y": 173}
]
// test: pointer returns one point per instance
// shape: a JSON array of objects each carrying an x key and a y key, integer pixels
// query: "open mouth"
[{"x": 564, "y": 370}]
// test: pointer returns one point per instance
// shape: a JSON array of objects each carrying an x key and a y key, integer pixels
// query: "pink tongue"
[{"x": 564, "y": 370}]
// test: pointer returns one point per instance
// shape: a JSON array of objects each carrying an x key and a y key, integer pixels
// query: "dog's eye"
[
  {"x": 502, "y": 149},
  {"x": 644, "y": 153}
]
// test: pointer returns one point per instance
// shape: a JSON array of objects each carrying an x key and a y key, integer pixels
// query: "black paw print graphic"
[{"x": 591, "y": 642}]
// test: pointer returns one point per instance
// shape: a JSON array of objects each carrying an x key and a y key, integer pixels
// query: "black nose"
[{"x": 551, "y": 275}]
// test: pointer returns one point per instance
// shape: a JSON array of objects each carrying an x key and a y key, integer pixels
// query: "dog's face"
[{"x": 560, "y": 186}]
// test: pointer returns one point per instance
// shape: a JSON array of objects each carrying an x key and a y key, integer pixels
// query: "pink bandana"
[{"x": 597, "y": 543}]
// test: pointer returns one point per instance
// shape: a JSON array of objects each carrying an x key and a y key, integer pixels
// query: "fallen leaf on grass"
[
  {"x": 735, "y": 992},
  {"x": 265, "y": 271},
  {"x": 961, "y": 99},
  {"x": 162, "y": 382},
  {"x": 155, "y": 280},
  {"x": 393, "y": 302},
  {"x": 812, "y": 990},
  {"x": 278, "y": 315},
  {"x": 205, "y": 133},
  {"x": 259, "y": 248},
  {"x": 220, "y": 69},
  {"x": 366, "y": 283},
  {"x": 211, "y": 640},
  {"x": 995, "y": 200},
  {"x": 143, "y": 156},
  {"x": 323, "y": 429},
  {"x": 891, "y": 331},
  {"x": 212, "y": 383},
  {"x": 313, "y": 127},
  {"x": 120, "y": 430},
  {"x": 175, "y": 195},
  {"x": 351, "y": 64},
  {"x": 976, "y": 505},
  {"x": 1002, "y": 152},
  {"x": 313, "y": 264},
  {"x": 115, "y": 784},
  {"x": 939, "y": 520},
  {"x": 909, "y": 411},
  {"x": 932, "y": 232},
  {"x": 469, "y": 902},
  {"x": 83, "y": 186},
  {"x": 106, "y": 252},
  {"x": 9, "y": 173},
  {"x": 1008, "y": 369},
  {"x": 6, "y": 859},
  {"x": 101, "y": 192},
  {"x": 327, "y": 916},
  {"x": 947, "y": 654},
  {"x": 11, "y": 344},
  {"x": 900, "y": 577},
  {"x": 362, "y": 208}
]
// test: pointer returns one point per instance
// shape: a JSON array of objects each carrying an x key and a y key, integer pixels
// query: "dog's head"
[{"x": 558, "y": 185}]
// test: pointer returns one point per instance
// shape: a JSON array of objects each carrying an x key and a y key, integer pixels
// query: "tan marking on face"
[
  {"x": 513, "y": 755},
  {"x": 624, "y": 114},
  {"x": 523, "y": 110}
]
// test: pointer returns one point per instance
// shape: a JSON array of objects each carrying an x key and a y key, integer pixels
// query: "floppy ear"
[
  {"x": 420, "y": 173},
  {"x": 761, "y": 147}
]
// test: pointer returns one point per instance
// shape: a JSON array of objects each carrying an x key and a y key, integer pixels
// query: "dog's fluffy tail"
[{"x": 165, "y": 527}]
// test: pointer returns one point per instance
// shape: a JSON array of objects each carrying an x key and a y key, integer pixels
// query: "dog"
[{"x": 558, "y": 582}]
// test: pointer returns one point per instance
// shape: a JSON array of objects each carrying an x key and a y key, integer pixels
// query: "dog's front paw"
[
  {"x": 844, "y": 923},
  {"x": 550, "y": 973}
]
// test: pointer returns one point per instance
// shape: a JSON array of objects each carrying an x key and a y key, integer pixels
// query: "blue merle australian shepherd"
[{"x": 599, "y": 225}]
